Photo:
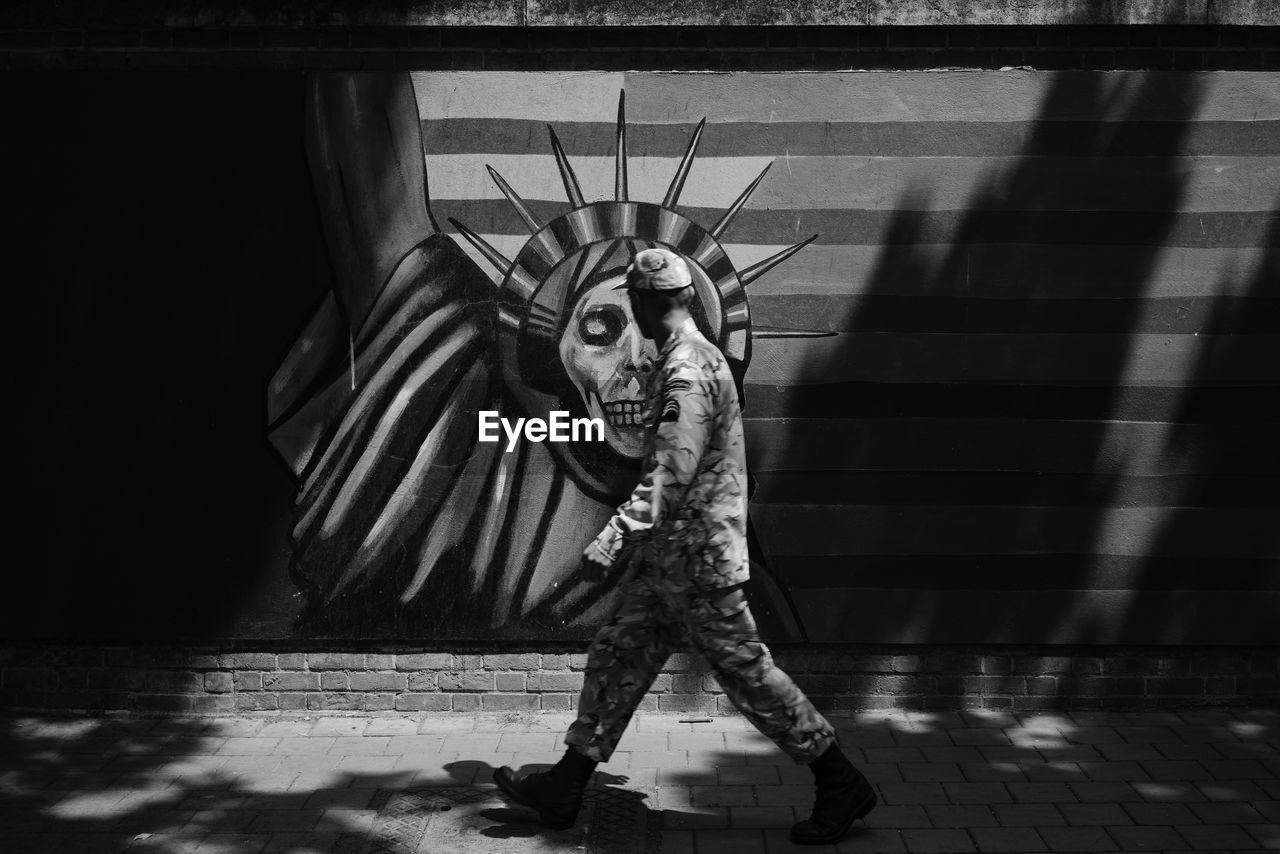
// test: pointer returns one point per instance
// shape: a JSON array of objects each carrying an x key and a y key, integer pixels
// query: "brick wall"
[{"x": 205, "y": 680}]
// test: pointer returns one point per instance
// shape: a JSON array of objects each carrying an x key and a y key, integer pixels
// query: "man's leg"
[
  {"x": 624, "y": 658},
  {"x": 724, "y": 631}
]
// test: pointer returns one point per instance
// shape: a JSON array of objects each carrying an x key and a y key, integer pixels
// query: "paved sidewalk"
[{"x": 949, "y": 782}]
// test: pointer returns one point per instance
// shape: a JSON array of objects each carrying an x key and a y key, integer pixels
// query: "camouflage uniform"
[{"x": 680, "y": 540}]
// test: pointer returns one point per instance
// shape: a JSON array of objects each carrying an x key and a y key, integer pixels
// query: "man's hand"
[{"x": 592, "y": 568}]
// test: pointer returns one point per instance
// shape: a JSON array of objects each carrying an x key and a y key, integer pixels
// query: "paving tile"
[
  {"x": 882, "y": 772},
  {"x": 913, "y": 793},
  {"x": 695, "y": 818},
  {"x": 1050, "y": 771},
  {"x": 977, "y": 793},
  {"x": 1226, "y": 813},
  {"x": 246, "y": 746},
  {"x": 1077, "y": 839},
  {"x": 678, "y": 842},
  {"x": 1237, "y": 769},
  {"x": 1028, "y": 815},
  {"x": 392, "y": 726},
  {"x": 987, "y": 772},
  {"x": 1094, "y": 814},
  {"x": 1168, "y": 792},
  {"x": 1267, "y": 834},
  {"x": 1217, "y": 837},
  {"x": 930, "y": 772},
  {"x": 762, "y": 817},
  {"x": 1181, "y": 771},
  {"x": 1147, "y": 838},
  {"x": 1132, "y": 752},
  {"x": 895, "y": 754},
  {"x": 753, "y": 775},
  {"x": 1104, "y": 793},
  {"x": 1233, "y": 790},
  {"x": 1008, "y": 839},
  {"x": 898, "y": 816},
  {"x": 871, "y": 840},
  {"x": 338, "y": 726},
  {"x": 1040, "y": 793},
  {"x": 735, "y": 796},
  {"x": 778, "y": 796},
  {"x": 1167, "y": 814},
  {"x": 956, "y": 815},
  {"x": 1114, "y": 770},
  {"x": 943, "y": 841}
]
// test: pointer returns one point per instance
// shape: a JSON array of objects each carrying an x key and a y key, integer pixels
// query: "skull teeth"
[{"x": 625, "y": 413}]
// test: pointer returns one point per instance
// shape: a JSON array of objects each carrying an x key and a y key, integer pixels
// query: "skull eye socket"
[{"x": 602, "y": 325}]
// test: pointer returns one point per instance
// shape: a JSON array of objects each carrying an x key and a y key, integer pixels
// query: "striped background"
[{"x": 1045, "y": 415}]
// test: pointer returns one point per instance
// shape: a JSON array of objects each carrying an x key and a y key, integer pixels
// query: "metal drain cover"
[{"x": 467, "y": 819}]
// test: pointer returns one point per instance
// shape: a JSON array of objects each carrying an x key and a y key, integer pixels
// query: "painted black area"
[
  {"x": 1011, "y": 488},
  {"x": 1209, "y": 405},
  {"x": 170, "y": 248},
  {"x": 1217, "y": 315},
  {"x": 1025, "y": 572}
]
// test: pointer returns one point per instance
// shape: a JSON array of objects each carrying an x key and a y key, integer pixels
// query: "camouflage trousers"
[{"x": 653, "y": 616}]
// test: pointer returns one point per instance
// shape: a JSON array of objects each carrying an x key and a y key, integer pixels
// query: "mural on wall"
[
  {"x": 406, "y": 521},
  {"x": 1016, "y": 373}
]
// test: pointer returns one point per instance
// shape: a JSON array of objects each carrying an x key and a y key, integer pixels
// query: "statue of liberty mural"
[{"x": 405, "y": 524}]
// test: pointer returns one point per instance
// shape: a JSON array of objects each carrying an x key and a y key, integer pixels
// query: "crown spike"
[
  {"x": 682, "y": 171},
  {"x": 571, "y": 188},
  {"x": 620, "y": 174},
  {"x": 493, "y": 256},
  {"x": 719, "y": 227},
  {"x": 521, "y": 206},
  {"x": 758, "y": 269}
]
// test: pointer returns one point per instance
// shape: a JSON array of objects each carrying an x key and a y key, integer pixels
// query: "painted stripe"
[
  {"x": 808, "y": 529},
  {"x": 992, "y": 271},
  {"x": 1024, "y": 572},
  {"x": 872, "y": 139},
  {"x": 1013, "y": 488},
  {"x": 998, "y": 96},
  {"x": 712, "y": 183},
  {"x": 1051, "y": 617},
  {"x": 899, "y": 183},
  {"x": 875, "y": 313},
  {"x": 1133, "y": 360},
  {"x": 908, "y": 227},
  {"x": 947, "y": 443},
  {"x": 1209, "y": 405},
  {"x": 586, "y": 96}
]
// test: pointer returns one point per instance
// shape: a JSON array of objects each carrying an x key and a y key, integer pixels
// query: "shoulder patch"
[{"x": 670, "y": 405}]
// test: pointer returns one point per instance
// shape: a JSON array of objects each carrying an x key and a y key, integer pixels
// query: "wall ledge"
[{"x": 625, "y": 13}]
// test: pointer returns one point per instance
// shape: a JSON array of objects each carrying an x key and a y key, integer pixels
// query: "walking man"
[{"x": 682, "y": 538}]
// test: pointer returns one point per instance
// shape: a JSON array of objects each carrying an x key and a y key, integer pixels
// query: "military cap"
[{"x": 657, "y": 270}]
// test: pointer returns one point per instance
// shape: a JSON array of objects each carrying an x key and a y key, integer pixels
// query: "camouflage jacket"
[{"x": 689, "y": 511}]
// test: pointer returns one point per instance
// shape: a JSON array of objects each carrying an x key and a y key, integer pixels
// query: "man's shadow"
[{"x": 521, "y": 822}]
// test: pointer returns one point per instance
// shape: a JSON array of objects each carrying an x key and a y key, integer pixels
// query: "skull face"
[{"x": 608, "y": 361}]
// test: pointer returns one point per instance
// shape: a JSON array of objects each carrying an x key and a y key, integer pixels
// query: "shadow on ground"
[{"x": 947, "y": 781}]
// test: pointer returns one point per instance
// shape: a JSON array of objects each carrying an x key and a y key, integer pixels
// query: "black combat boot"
[
  {"x": 844, "y": 796},
  {"x": 555, "y": 794}
]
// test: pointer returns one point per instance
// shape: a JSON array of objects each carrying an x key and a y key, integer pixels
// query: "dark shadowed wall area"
[
  {"x": 165, "y": 245},
  {"x": 1003, "y": 303}
]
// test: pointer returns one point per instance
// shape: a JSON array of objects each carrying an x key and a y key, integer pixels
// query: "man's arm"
[{"x": 685, "y": 417}]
